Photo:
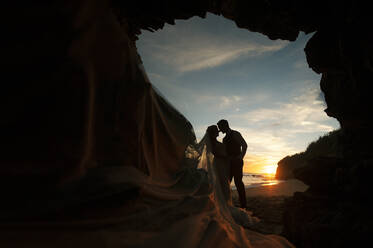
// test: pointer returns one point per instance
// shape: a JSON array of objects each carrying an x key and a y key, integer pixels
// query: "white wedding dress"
[{"x": 218, "y": 170}]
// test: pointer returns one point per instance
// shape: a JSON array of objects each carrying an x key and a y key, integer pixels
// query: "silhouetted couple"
[{"x": 231, "y": 154}]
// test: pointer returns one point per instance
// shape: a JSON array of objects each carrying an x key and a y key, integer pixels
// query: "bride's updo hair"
[
  {"x": 212, "y": 132},
  {"x": 212, "y": 129}
]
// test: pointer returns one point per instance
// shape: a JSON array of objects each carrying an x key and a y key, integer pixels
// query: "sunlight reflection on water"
[{"x": 252, "y": 180}]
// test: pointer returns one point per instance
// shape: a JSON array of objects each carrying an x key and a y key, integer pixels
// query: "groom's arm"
[{"x": 243, "y": 143}]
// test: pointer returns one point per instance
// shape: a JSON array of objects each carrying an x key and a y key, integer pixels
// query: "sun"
[
  {"x": 270, "y": 169},
  {"x": 261, "y": 165}
]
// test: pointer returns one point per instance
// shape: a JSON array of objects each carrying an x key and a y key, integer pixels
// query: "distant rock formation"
[
  {"x": 286, "y": 166},
  {"x": 325, "y": 146}
]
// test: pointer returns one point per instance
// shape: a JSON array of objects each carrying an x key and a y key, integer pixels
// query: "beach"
[{"x": 267, "y": 203}]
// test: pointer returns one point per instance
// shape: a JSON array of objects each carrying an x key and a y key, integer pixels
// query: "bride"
[
  {"x": 220, "y": 162},
  {"x": 218, "y": 168}
]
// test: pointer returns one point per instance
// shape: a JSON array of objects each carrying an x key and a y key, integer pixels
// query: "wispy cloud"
[
  {"x": 217, "y": 102},
  {"x": 208, "y": 57},
  {"x": 264, "y": 146},
  {"x": 301, "y": 64},
  {"x": 303, "y": 114},
  {"x": 189, "y": 56},
  {"x": 188, "y": 50}
]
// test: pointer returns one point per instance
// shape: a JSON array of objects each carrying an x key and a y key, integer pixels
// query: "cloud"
[
  {"x": 204, "y": 57},
  {"x": 193, "y": 56},
  {"x": 303, "y": 114},
  {"x": 264, "y": 143},
  {"x": 186, "y": 47},
  {"x": 301, "y": 64}
]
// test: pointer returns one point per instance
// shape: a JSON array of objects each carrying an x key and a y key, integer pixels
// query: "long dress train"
[{"x": 180, "y": 199}]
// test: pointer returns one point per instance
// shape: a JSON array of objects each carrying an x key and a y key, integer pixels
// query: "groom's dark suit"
[{"x": 233, "y": 142}]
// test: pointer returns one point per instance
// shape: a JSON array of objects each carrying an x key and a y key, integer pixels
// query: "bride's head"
[
  {"x": 209, "y": 139},
  {"x": 212, "y": 132}
]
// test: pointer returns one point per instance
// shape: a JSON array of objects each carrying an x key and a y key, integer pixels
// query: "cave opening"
[{"x": 210, "y": 70}]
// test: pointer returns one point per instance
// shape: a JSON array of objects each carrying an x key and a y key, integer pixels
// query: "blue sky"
[{"x": 209, "y": 70}]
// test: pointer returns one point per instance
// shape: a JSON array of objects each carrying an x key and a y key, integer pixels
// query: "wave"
[{"x": 252, "y": 180}]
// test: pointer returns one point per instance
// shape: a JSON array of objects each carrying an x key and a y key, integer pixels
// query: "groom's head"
[{"x": 223, "y": 125}]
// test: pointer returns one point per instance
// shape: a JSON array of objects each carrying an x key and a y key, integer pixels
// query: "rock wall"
[
  {"x": 334, "y": 212},
  {"x": 66, "y": 108},
  {"x": 67, "y": 104},
  {"x": 329, "y": 145}
]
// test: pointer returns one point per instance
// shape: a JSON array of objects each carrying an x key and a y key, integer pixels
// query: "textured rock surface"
[
  {"x": 326, "y": 148},
  {"x": 65, "y": 108},
  {"x": 334, "y": 211},
  {"x": 286, "y": 166}
]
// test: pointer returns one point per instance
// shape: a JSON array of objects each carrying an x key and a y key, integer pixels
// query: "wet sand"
[{"x": 267, "y": 203}]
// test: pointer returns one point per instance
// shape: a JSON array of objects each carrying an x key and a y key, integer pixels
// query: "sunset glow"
[
  {"x": 270, "y": 169},
  {"x": 256, "y": 164}
]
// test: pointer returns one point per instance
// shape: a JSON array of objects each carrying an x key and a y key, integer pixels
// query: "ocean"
[{"x": 252, "y": 180}]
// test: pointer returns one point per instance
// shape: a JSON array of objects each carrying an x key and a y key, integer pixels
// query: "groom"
[{"x": 236, "y": 150}]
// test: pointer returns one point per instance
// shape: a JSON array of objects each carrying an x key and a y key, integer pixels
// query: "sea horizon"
[{"x": 252, "y": 180}]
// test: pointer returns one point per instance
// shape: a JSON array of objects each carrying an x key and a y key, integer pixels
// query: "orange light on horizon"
[
  {"x": 262, "y": 165},
  {"x": 270, "y": 169}
]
